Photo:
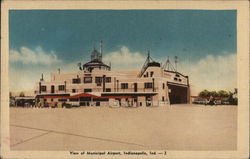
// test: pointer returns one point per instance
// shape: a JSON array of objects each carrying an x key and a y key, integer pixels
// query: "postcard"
[{"x": 123, "y": 79}]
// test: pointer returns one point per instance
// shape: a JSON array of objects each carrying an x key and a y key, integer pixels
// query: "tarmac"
[{"x": 176, "y": 127}]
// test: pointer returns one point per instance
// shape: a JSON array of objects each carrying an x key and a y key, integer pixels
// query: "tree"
[
  {"x": 214, "y": 94},
  {"x": 223, "y": 93},
  {"x": 21, "y": 94},
  {"x": 204, "y": 93}
]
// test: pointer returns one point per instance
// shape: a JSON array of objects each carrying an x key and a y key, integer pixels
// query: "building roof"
[
  {"x": 154, "y": 64},
  {"x": 95, "y": 63}
]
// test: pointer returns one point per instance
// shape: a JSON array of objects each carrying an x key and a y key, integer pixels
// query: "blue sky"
[{"x": 68, "y": 36}]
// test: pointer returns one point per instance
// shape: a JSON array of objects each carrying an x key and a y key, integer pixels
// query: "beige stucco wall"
[{"x": 159, "y": 77}]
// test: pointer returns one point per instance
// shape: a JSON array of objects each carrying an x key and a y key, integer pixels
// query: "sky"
[{"x": 41, "y": 41}]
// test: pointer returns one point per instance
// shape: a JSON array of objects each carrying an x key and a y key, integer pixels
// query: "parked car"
[{"x": 66, "y": 105}]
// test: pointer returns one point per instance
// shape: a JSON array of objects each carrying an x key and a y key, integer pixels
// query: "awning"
[{"x": 77, "y": 96}]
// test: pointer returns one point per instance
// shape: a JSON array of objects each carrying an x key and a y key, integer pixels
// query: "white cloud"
[
  {"x": 124, "y": 59},
  {"x": 212, "y": 72},
  {"x": 24, "y": 79},
  {"x": 37, "y": 56}
]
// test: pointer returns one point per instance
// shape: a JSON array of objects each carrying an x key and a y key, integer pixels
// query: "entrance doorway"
[{"x": 52, "y": 89}]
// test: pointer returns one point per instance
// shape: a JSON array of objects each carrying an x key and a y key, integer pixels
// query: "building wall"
[{"x": 154, "y": 75}]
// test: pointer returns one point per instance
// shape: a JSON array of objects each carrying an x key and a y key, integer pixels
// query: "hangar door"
[{"x": 178, "y": 94}]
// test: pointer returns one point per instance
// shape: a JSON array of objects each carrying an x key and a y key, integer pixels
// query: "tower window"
[
  {"x": 87, "y": 79},
  {"x": 108, "y": 79},
  {"x": 98, "y": 79},
  {"x": 76, "y": 80},
  {"x": 87, "y": 90},
  {"x": 151, "y": 74}
]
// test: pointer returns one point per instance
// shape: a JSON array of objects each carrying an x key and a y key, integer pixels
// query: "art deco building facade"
[{"x": 96, "y": 84}]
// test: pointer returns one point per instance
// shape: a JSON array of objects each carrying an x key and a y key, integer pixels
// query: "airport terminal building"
[{"x": 96, "y": 84}]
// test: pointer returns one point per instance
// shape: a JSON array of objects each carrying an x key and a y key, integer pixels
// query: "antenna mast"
[
  {"x": 101, "y": 50},
  {"x": 169, "y": 66},
  {"x": 175, "y": 61},
  {"x": 145, "y": 66},
  {"x": 168, "y": 62}
]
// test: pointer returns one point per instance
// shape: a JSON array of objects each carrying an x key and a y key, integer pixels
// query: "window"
[
  {"x": 87, "y": 90},
  {"x": 148, "y": 85},
  {"x": 73, "y": 100},
  {"x": 175, "y": 79},
  {"x": 180, "y": 80},
  {"x": 163, "y": 98},
  {"x": 61, "y": 87},
  {"x": 108, "y": 79},
  {"x": 98, "y": 79},
  {"x": 147, "y": 74},
  {"x": 163, "y": 85},
  {"x": 76, "y": 80},
  {"x": 151, "y": 74},
  {"x": 108, "y": 90},
  {"x": 73, "y": 90},
  {"x": 87, "y": 79},
  {"x": 43, "y": 88},
  {"x": 124, "y": 85},
  {"x": 62, "y": 100},
  {"x": 177, "y": 75}
]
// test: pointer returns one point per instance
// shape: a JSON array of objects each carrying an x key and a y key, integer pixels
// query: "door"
[
  {"x": 52, "y": 89},
  {"x": 135, "y": 87},
  {"x": 178, "y": 94}
]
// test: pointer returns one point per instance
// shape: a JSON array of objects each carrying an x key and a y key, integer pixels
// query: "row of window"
[
  {"x": 90, "y": 90},
  {"x": 89, "y": 80},
  {"x": 146, "y": 85},
  {"x": 149, "y": 75},
  {"x": 123, "y": 86},
  {"x": 176, "y": 79},
  {"x": 60, "y": 88}
]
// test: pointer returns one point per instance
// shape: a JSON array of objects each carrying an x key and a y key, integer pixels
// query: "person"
[{"x": 211, "y": 100}]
